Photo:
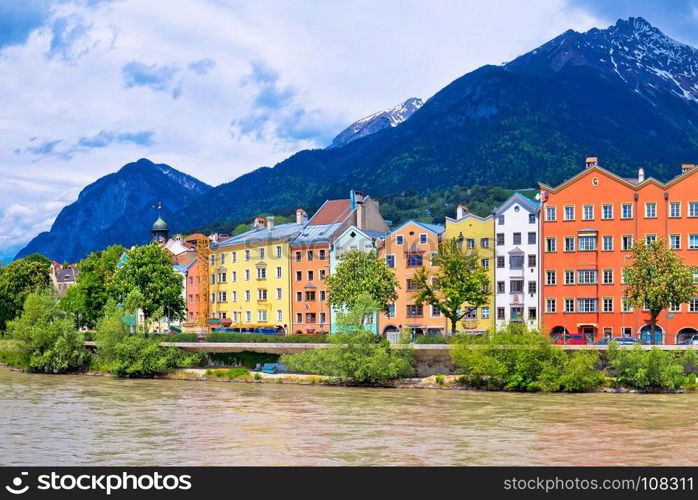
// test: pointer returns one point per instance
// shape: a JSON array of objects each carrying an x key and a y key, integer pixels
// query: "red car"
[{"x": 570, "y": 339}]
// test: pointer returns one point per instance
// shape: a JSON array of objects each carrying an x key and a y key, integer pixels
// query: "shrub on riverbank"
[
  {"x": 261, "y": 338},
  {"x": 521, "y": 360},
  {"x": 133, "y": 355},
  {"x": 355, "y": 355},
  {"x": 44, "y": 339},
  {"x": 177, "y": 337},
  {"x": 652, "y": 370},
  {"x": 247, "y": 359}
]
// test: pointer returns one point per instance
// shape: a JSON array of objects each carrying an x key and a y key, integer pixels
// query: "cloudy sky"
[{"x": 217, "y": 88}]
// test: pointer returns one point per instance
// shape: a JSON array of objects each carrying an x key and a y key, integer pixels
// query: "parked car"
[
  {"x": 627, "y": 340},
  {"x": 692, "y": 340},
  {"x": 604, "y": 341},
  {"x": 570, "y": 339}
]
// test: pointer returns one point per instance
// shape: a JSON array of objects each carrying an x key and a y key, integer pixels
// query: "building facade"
[
  {"x": 405, "y": 250},
  {"x": 516, "y": 262},
  {"x": 589, "y": 224},
  {"x": 475, "y": 234}
]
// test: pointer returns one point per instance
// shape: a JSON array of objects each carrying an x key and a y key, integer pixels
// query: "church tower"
[{"x": 160, "y": 230}]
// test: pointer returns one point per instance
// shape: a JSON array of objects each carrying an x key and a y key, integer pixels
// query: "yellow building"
[
  {"x": 250, "y": 277},
  {"x": 476, "y": 233}
]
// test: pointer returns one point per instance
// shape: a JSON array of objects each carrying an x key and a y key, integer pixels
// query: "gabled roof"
[
  {"x": 527, "y": 203},
  {"x": 437, "y": 229},
  {"x": 315, "y": 234},
  {"x": 331, "y": 212},
  {"x": 280, "y": 232},
  {"x": 469, "y": 215}
]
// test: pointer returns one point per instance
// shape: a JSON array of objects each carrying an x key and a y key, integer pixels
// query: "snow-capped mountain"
[
  {"x": 632, "y": 50},
  {"x": 377, "y": 121}
]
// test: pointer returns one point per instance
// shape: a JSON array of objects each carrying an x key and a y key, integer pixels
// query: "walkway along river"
[{"x": 81, "y": 420}]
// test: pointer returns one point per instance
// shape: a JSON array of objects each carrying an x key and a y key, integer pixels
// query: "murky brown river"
[{"x": 74, "y": 420}]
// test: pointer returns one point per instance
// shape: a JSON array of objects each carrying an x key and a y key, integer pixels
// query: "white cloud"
[{"x": 65, "y": 91}]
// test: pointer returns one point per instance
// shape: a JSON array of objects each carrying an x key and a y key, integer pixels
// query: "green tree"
[
  {"x": 46, "y": 338},
  {"x": 37, "y": 257},
  {"x": 17, "y": 281},
  {"x": 457, "y": 285},
  {"x": 657, "y": 278},
  {"x": 86, "y": 299},
  {"x": 149, "y": 270},
  {"x": 360, "y": 273},
  {"x": 355, "y": 355}
]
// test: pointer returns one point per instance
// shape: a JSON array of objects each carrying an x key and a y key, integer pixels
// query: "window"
[
  {"x": 532, "y": 313},
  {"x": 262, "y": 316},
  {"x": 248, "y": 316},
  {"x": 321, "y": 254},
  {"x": 278, "y": 294},
  {"x": 550, "y": 278},
  {"x": 650, "y": 210},
  {"x": 517, "y": 238},
  {"x": 569, "y": 305},
  {"x": 234, "y": 276},
  {"x": 516, "y": 286},
  {"x": 693, "y": 208},
  {"x": 550, "y": 214},
  {"x": 322, "y": 295},
  {"x": 213, "y": 279},
  {"x": 247, "y": 275},
  {"x": 299, "y": 317},
  {"x": 435, "y": 313},
  {"x": 222, "y": 259},
  {"x": 608, "y": 331},
  {"x": 484, "y": 242},
  {"x": 531, "y": 238},
  {"x": 233, "y": 257},
  {"x": 213, "y": 260},
  {"x": 607, "y": 304},
  {"x": 569, "y": 277},
  {"x": 500, "y": 220},
  {"x": 261, "y": 273},
  {"x": 471, "y": 314},
  {"x": 279, "y": 315},
  {"x": 650, "y": 238},
  {"x": 626, "y": 242},
  {"x": 222, "y": 277},
  {"x": 531, "y": 218},
  {"x": 222, "y": 297},
  {"x": 531, "y": 287},
  {"x": 550, "y": 245},
  {"x": 500, "y": 313},
  {"x": 587, "y": 243},
  {"x": 322, "y": 274},
  {"x": 261, "y": 294},
  {"x": 587, "y": 305},
  {"x": 323, "y": 318},
  {"x": 412, "y": 285},
  {"x": 674, "y": 209},
  {"x": 626, "y": 211},
  {"x": 310, "y": 317},
  {"x": 675, "y": 241},
  {"x": 607, "y": 242},
  {"x": 415, "y": 311},
  {"x": 608, "y": 276},
  {"x": 693, "y": 305},
  {"x": 311, "y": 275},
  {"x": 531, "y": 261},
  {"x": 299, "y": 275},
  {"x": 569, "y": 244},
  {"x": 470, "y": 243},
  {"x": 693, "y": 241},
  {"x": 310, "y": 255},
  {"x": 278, "y": 272},
  {"x": 278, "y": 251},
  {"x": 550, "y": 306},
  {"x": 569, "y": 212},
  {"x": 391, "y": 311},
  {"x": 247, "y": 295},
  {"x": 299, "y": 296},
  {"x": 501, "y": 287},
  {"x": 399, "y": 239},
  {"x": 431, "y": 257},
  {"x": 390, "y": 260},
  {"x": 485, "y": 313},
  {"x": 626, "y": 305},
  {"x": 516, "y": 261},
  {"x": 299, "y": 256},
  {"x": 213, "y": 297},
  {"x": 261, "y": 254},
  {"x": 675, "y": 307},
  {"x": 234, "y": 296},
  {"x": 607, "y": 212},
  {"x": 247, "y": 255},
  {"x": 588, "y": 212},
  {"x": 310, "y": 296},
  {"x": 586, "y": 277},
  {"x": 500, "y": 238},
  {"x": 414, "y": 260},
  {"x": 422, "y": 238},
  {"x": 485, "y": 263},
  {"x": 500, "y": 261}
]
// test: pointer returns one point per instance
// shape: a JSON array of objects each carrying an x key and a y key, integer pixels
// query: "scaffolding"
[{"x": 203, "y": 257}]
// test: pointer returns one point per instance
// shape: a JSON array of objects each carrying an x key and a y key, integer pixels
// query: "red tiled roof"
[
  {"x": 195, "y": 237},
  {"x": 331, "y": 212}
]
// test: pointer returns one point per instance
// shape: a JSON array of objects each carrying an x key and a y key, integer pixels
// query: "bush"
[
  {"x": 522, "y": 360},
  {"x": 44, "y": 339},
  {"x": 125, "y": 355},
  {"x": 431, "y": 339},
  {"x": 247, "y": 359},
  {"x": 355, "y": 355},
  {"x": 177, "y": 337},
  {"x": 261, "y": 338},
  {"x": 651, "y": 370}
]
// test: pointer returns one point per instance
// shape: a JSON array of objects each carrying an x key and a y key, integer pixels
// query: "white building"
[{"x": 517, "y": 262}]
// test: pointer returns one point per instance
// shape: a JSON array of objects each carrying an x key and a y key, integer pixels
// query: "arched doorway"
[
  {"x": 658, "y": 335},
  {"x": 685, "y": 334},
  {"x": 392, "y": 333},
  {"x": 557, "y": 333}
]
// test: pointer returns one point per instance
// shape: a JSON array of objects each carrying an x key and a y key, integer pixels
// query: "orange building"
[
  {"x": 405, "y": 250},
  {"x": 588, "y": 226}
]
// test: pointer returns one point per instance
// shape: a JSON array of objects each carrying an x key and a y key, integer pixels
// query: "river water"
[{"x": 78, "y": 420}]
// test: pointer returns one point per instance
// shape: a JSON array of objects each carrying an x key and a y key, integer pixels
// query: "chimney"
[
  {"x": 686, "y": 167},
  {"x": 270, "y": 222},
  {"x": 301, "y": 216},
  {"x": 592, "y": 161},
  {"x": 461, "y": 211},
  {"x": 258, "y": 223},
  {"x": 360, "y": 213},
  {"x": 640, "y": 175}
]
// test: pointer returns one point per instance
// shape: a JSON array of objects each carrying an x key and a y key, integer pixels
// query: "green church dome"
[{"x": 160, "y": 225}]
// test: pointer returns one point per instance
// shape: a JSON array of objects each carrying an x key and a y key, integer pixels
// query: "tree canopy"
[{"x": 17, "y": 280}]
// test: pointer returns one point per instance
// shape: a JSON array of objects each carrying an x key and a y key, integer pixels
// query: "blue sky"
[{"x": 217, "y": 88}]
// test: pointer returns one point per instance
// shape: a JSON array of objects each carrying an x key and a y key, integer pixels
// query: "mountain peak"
[
  {"x": 377, "y": 121},
  {"x": 632, "y": 52}
]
